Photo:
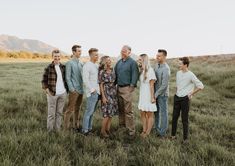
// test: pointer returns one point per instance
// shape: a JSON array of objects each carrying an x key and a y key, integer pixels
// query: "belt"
[
  {"x": 182, "y": 97},
  {"x": 124, "y": 85}
]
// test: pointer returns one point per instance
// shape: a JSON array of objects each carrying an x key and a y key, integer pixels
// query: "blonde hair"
[{"x": 145, "y": 65}]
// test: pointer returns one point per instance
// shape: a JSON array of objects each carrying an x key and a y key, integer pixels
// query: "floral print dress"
[{"x": 110, "y": 90}]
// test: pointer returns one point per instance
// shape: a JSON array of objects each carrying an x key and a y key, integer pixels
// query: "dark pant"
[{"x": 180, "y": 104}]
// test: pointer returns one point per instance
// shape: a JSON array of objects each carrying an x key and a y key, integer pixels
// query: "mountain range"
[{"x": 13, "y": 43}]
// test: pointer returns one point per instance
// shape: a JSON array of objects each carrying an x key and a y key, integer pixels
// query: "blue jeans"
[
  {"x": 161, "y": 115},
  {"x": 90, "y": 109}
]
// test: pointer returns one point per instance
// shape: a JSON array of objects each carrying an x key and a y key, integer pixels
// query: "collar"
[
  {"x": 76, "y": 59},
  {"x": 161, "y": 65},
  {"x": 126, "y": 59},
  {"x": 53, "y": 64}
]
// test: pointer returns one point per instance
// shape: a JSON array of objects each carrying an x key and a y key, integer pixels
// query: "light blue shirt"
[{"x": 73, "y": 75}]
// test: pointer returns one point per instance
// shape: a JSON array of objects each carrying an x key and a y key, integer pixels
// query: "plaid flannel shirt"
[{"x": 49, "y": 77}]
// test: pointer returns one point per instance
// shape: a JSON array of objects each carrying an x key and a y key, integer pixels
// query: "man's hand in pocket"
[{"x": 48, "y": 92}]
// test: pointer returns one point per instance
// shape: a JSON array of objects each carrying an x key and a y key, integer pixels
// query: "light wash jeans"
[
  {"x": 161, "y": 115},
  {"x": 90, "y": 109}
]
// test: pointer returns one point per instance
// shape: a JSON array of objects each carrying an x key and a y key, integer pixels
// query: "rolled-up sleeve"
[{"x": 197, "y": 82}]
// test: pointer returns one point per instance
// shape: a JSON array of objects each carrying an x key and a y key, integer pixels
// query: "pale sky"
[{"x": 183, "y": 27}]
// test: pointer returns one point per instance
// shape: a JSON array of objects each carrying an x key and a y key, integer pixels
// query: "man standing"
[
  {"x": 53, "y": 82},
  {"x": 75, "y": 85},
  {"x": 162, "y": 72},
  {"x": 90, "y": 79},
  {"x": 186, "y": 82},
  {"x": 127, "y": 75}
]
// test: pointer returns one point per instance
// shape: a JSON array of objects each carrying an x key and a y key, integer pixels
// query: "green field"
[{"x": 24, "y": 139}]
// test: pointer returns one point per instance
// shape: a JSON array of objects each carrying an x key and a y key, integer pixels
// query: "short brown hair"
[
  {"x": 185, "y": 61},
  {"x": 74, "y": 48},
  {"x": 162, "y": 51},
  {"x": 55, "y": 51},
  {"x": 91, "y": 50}
]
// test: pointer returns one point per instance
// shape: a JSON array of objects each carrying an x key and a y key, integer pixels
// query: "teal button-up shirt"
[
  {"x": 73, "y": 75},
  {"x": 127, "y": 72}
]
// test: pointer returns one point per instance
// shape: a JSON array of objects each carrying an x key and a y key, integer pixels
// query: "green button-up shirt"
[{"x": 73, "y": 75}]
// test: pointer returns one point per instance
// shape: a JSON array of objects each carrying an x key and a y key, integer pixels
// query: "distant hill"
[{"x": 13, "y": 43}]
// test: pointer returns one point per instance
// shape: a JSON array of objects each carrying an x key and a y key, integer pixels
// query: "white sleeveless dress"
[{"x": 145, "y": 103}]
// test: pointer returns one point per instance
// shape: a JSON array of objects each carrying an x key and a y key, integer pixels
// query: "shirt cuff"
[
  {"x": 71, "y": 89},
  {"x": 200, "y": 87}
]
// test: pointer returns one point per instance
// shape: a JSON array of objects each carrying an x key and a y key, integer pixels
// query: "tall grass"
[{"x": 24, "y": 139}]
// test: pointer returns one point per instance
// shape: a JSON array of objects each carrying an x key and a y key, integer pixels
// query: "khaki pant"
[
  {"x": 74, "y": 105},
  {"x": 55, "y": 111},
  {"x": 126, "y": 115}
]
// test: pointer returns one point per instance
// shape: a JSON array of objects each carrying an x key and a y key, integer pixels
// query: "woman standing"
[
  {"x": 147, "y": 102},
  {"x": 109, "y": 103}
]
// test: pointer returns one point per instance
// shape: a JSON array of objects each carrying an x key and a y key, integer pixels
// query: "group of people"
[{"x": 114, "y": 86}]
